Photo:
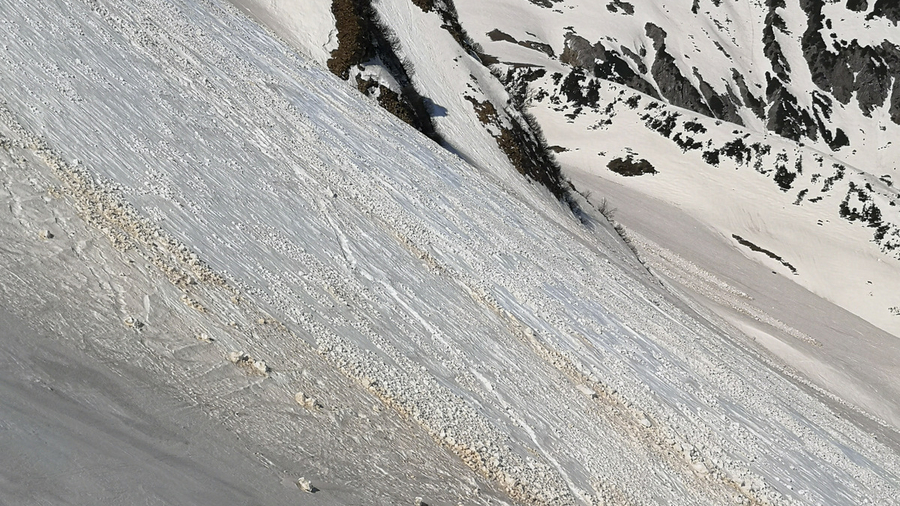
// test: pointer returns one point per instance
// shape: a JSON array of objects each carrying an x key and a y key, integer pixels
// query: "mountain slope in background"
[
  {"x": 226, "y": 225},
  {"x": 716, "y": 59}
]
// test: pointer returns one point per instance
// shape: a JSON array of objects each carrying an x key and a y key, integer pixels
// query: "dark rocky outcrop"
[
  {"x": 724, "y": 107},
  {"x": 631, "y": 167},
  {"x": 858, "y": 5},
  {"x": 599, "y": 62},
  {"x": 673, "y": 86},
  {"x": 889, "y": 9},
  {"x": 579, "y": 52},
  {"x": 497, "y": 35},
  {"x": 617, "y": 5},
  {"x": 786, "y": 117},
  {"x": 847, "y": 68},
  {"x": 362, "y": 37},
  {"x": 771, "y": 47},
  {"x": 757, "y": 105}
]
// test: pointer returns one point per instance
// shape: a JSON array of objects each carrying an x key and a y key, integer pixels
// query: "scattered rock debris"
[
  {"x": 188, "y": 301},
  {"x": 310, "y": 403},
  {"x": 241, "y": 359}
]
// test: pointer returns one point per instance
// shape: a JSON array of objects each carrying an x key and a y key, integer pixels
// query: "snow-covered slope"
[
  {"x": 310, "y": 237},
  {"x": 751, "y": 76}
]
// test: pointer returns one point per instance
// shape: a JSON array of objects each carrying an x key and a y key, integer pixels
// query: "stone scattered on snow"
[
  {"x": 310, "y": 403},
  {"x": 132, "y": 322},
  {"x": 304, "y": 485},
  {"x": 237, "y": 357}
]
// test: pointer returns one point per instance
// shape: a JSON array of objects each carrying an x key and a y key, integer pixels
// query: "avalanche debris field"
[{"x": 180, "y": 187}]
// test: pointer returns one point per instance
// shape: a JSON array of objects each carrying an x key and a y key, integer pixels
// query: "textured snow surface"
[{"x": 530, "y": 345}]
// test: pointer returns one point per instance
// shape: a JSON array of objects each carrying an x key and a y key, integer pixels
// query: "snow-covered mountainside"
[
  {"x": 224, "y": 270},
  {"x": 603, "y": 84},
  {"x": 769, "y": 126}
]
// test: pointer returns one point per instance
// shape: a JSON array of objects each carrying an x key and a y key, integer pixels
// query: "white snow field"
[{"x": 271, "y": 233}]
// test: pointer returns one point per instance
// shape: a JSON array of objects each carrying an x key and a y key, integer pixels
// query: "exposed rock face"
[
  {"x": 757, "y": 105},
  {"x": 496, "y": 35},
  {"x": 844, "y": 68},
  {"x": 861, "y": 74},
  {"x": 597, "y": 61},
  {"x": 579, "y": 52},
  {"x": 771, "y": 47},
  {"x": 785, "y": 117},
  {"x": 889, "y": 9},
  {"x": 678, "y": 89}
]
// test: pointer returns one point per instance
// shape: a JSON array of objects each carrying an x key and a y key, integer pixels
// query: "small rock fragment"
[
  {"x": 132, "y": 322},
  {"x": 237, "y": 357},
  {"x": 46, "y": 234},
  {"x": 307, "y": 402},
  {"x": 420, "y": 502},
  {"x": 261, "y": 367},
  {"x": 188, "y": 301},
  {"x": 586, "y": 390},
  {"x": 304, "y": 485}
]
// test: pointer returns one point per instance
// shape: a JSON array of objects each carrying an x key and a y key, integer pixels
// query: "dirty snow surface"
[{"x": 223, "y": 270}]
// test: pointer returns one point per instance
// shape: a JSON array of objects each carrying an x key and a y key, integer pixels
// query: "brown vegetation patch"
[
  {"x": 486, "y": 112},
  {"x": 353, "y": 20},
  {"x": 629, "y": 167},
  {"x": 525, "y": 148},
  {"x": 389, "y": 100},
  {"x": 425, "y": 5}
]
